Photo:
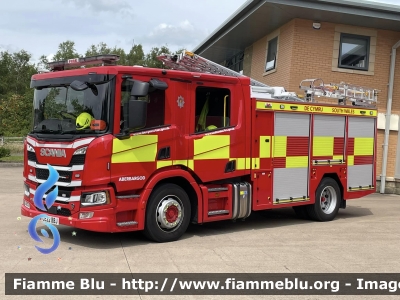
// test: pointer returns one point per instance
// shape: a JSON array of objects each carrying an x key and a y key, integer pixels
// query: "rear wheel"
[
  {"x": 167, "y": 213},
  {"x": 327, "y": 201}
]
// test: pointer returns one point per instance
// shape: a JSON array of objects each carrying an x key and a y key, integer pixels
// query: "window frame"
[
  {"x": 268, "y": 52},
  {"x": 229, "y": 100},
  {"x": 367, "y": 60},
  {"x": 147, "y": 99},
  {"x": 236, "y": 60}
]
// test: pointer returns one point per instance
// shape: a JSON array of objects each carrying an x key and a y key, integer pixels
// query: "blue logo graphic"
[{"x": 50, "y": 199}]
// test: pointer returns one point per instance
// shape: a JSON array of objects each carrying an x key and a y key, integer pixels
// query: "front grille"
[
  {"x": 43, "y": 174},
  {"x": 54, "y": 211},
  {"x": 32, "y": 156},
  {"x": 77, "y": 160},
  {"x": 64, "y": 192}
]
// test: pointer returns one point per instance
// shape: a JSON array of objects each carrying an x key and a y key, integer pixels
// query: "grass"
[
  {"x": 16, "y": 148},
  {"x": 13, "y": 158}
]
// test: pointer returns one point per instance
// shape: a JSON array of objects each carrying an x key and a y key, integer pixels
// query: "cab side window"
[
  {"x": 155, "y": 107},
  {"x": 213, "y": 109}
]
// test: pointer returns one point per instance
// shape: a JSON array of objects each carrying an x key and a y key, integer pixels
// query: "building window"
[
  {"x": 213, "y": 108},
  {"x": 354, "y": 52},
  {"x": 235, "y": 63},
  {"x": 271, "y": 54}
]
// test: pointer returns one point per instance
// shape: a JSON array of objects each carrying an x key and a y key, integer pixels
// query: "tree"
[
  {"x": 135, "y": 56},
  {"x": 151, "y": 60},
  {"x": 15, "y": 72},
  {"x": 16, "y": 114},
  {"x": 66, "y": 50},
  {"x": 98, "y": 49}
]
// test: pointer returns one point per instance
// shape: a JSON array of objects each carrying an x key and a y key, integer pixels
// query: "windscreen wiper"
[
  {"x": 75, "y": 131},
  {"x": 46, "y": 131}
]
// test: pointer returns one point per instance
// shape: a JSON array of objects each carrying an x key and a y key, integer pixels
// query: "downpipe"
[{"x": 388, "y": 114}]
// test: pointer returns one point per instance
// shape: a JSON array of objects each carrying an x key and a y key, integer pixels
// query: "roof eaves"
[{"x": 242, "y": 12}]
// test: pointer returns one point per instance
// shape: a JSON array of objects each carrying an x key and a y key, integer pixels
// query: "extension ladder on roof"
[
  {"x": 188, "y": 61},
  {"x": 357, "y": 94}
]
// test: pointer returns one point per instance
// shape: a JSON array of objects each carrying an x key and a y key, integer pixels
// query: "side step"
[
  {"x": 218, "y": 212},
  {"x": 229, "y": 201}
]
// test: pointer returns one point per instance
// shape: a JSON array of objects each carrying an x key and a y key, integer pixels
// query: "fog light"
[
  {"x": 27, "y": 204},
  {"x": 85, "y": 215},
  {"x": 95, "y": 199},
  {"x": 26, "y": 190}
]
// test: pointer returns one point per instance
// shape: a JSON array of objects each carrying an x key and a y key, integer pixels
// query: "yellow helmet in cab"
[
  {"x": 83, "y": 121},
  {"x": 211, "y": 127}
]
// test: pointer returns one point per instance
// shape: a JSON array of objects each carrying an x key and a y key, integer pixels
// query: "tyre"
[
  {"x": 327, "y": 201},
  {"x": 301, "y": 212},
  {"x": 167, "y": 213}
]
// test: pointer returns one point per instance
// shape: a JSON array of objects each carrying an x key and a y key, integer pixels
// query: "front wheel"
[
  {"x": 167, "y": 213},
  {"x": 327, "y": 201}
]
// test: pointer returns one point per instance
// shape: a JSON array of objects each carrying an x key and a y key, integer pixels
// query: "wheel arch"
[
  {"x": 181, "y": 178},
  {"x": 335, "y": 177}
]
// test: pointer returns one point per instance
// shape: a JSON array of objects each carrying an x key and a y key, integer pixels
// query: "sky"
[{"x": 39, "y": 26}]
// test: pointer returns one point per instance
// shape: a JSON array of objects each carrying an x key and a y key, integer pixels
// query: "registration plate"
[{"x": 51, "y": 220}]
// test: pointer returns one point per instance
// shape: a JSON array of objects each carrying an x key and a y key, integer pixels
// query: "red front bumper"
[{"x": 104, "y": 219}]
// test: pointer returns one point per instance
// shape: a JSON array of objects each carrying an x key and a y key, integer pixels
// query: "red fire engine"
[{"x": 149, "y": 149}]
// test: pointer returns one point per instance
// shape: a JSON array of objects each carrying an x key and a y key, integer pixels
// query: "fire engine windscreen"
[{"x": 72, "y": 108}]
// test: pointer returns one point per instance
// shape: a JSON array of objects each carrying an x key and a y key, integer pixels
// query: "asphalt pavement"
[{"x": 365, "y": 237}]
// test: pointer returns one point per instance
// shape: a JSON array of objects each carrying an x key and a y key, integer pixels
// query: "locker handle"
[{"x": 267, "y": 140}]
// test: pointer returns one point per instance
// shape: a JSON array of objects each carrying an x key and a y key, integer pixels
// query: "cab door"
[
  {"x": 136, "y": 158},
  {"x": 216, "y": 139}
]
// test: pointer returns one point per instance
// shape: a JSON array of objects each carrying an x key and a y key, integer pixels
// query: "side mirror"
[
  {"x": 77, "y": 85},
  {"x": 139, "y": 89},
  {"x": 156, "y": 84},
  {"x": 137, "y": 114}
]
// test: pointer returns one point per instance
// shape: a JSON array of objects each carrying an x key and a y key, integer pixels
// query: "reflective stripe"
[
  {"x": 133, "y": 142},
  {"x": 350, "y": 160},
  {"x": 59, "y": 198},
  {"x": 279, "y": 145},
  {"x": 180, "y": 162},
  {"x": 212, "y": 147},
  {"x": 73, "y": 145},
  {"x": 265, "y": 147},
  {"x": 315, "y": 109},
  {"x": 323, "y": 145},
  {"x": 363, "y": 146},
  {"x": 139, "y": 148},
  {"x": 255, "y": 163},
  {"x": 72, "y": 168},
  {"x": 166, "y": 163},
  {"x": 72, "y": 183},
  {"x": 297, "y": 162},
  {"x": 163, "y": 163},
  {"x": 190, "y": 164},
  {"x": 338, "y": 157},
  {"x": 248, "y": 163},
  {"x": 290, "y": 200},
  {"x": 241, "y": 164}
]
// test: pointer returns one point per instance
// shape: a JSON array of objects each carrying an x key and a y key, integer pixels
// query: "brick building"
[{"x": 281, "y": 42}]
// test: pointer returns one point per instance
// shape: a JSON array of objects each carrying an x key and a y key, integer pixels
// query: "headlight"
[
  {"x": 26, "y": 190},
  {"x": 30, "y": 148},
  {"x": 80, "y": 151},
  {"x": 95, "y": 199}
]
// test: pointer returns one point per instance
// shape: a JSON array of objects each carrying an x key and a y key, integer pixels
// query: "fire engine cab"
[{"x": 134, "y": 148}]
